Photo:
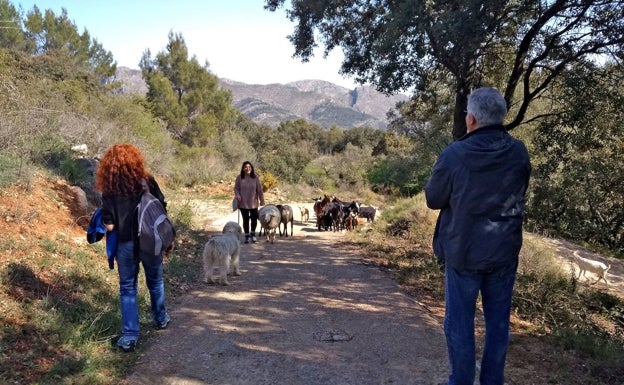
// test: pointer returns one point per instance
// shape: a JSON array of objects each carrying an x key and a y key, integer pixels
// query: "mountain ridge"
[{"x": 318, "y": 101}]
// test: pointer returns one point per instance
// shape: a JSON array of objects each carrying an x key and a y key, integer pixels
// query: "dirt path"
[{"x": 306, "y": 310}]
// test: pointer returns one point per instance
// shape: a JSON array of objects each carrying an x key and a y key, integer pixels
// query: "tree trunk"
[{"x": 459, "y": 117}]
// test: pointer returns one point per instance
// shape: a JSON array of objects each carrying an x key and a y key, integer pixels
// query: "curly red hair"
[{"x": 121, "y": 170}]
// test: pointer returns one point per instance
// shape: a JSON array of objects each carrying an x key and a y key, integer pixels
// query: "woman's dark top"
[{"x": 121, "y": 211}]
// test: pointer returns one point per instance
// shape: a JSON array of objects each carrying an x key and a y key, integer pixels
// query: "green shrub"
[
  {"x": 605, "y": 351},
  {"x": 408, "y": 218},
  {"x": 316, "y": 176},
  {"x": 49, "y": 150},
  {"x": 181, "y": 215},
  {"x": 14, "y": 169},
  {"x": 196, "y": 166},
  {"x": 73, "y": 172}
]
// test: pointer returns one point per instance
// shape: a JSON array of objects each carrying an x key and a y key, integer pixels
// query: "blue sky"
[{"x": 239, "y": 38}]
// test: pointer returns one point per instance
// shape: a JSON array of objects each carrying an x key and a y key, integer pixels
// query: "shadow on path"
[{"x": 304, "y": 311}]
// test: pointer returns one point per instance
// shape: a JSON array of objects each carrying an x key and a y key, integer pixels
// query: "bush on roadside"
[{"x": 547, "y": 294}]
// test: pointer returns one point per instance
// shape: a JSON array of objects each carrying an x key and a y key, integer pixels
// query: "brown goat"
[{"x": 305, "y": 214}]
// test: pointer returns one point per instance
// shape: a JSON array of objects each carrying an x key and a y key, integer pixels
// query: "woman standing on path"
[
  {"x": 121, "y": 177},
  {"x": 249, "y": 195}
]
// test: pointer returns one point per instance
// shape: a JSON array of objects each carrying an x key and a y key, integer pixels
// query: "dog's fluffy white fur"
[
  {"x": 223, "y": 250},
  {"x": 234, "y": 228},
  {"x": 596, "y": 267}
]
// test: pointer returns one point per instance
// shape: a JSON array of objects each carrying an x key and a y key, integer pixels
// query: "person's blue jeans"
[
  {"x": 128, "y": 267},
  {"x": 462, "y": 290}
]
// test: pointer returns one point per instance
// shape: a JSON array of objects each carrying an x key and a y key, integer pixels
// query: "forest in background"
[{"x": 53, "y": 98}]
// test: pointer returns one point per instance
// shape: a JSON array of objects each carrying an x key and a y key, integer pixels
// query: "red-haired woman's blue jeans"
[
  {"x": 128, "y": 267},
  {"x": 462, "y": 290}
]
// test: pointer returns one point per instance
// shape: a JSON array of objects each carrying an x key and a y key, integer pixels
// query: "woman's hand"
[
  {"x": 110, "y": 227},
  {"x": 169, "y": 249}
]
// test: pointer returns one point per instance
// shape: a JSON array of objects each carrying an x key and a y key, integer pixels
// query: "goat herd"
[
  {"x": 223, "y": 251},
  {"x": 331, "y": 213},
  {"x": 334, "y": 214}
]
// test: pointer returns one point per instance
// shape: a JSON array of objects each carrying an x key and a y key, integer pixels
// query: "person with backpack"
[
  {"x": 249, "y": 196},
  {"x": 122, "y": 178}
]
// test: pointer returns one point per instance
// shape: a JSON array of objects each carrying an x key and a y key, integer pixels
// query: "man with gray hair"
[{"x": 479, "y": 183}]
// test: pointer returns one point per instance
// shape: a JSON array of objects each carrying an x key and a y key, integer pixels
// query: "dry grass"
[{"x": 562, "y": 332}]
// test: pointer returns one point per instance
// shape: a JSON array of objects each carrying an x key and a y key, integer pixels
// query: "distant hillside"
[
  {"x": 131, "y": 81},
  {"x": 321, "y": 102}
]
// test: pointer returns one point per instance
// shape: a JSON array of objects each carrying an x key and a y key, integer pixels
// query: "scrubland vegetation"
[{"x": 58, "y": 311}]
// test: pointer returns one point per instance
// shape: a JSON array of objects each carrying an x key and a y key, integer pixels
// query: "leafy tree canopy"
[
  {"x": 49, "y": 34},
  {"x": 518, "y": 46},
  {"x": 185, "y": 94},
  {"x": 576, "y": 188},
  {"x": 11, "y": 27}
]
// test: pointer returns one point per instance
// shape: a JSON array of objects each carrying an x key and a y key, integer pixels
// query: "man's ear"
[{"x": 471, "y": 122}]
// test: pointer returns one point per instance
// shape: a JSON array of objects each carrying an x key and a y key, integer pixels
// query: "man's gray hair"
[{"x": 487, "y": 105}]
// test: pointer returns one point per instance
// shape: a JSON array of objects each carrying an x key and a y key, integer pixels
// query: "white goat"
[
  {"x": 270, "y": 218},
  {"x": 596, "y": 267},
  {"x": 222, "y": 250}
]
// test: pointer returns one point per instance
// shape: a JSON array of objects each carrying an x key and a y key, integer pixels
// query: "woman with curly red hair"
[{"x": 121, "y": 178}]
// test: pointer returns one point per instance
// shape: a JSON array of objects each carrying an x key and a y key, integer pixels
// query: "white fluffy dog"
[
  {"x": 233, "y": 227},
  {"x": 221, "y": 250}
]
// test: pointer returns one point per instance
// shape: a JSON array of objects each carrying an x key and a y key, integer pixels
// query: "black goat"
[
  {"x": 348, "y": 208},
  {"x": 331, "y": 217},
  {"x": 319, "y": 210},
  {"x": 368, "y": 212}
]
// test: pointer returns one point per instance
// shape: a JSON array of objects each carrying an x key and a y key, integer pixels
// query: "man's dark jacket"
[{"x": 479, "y": 184}]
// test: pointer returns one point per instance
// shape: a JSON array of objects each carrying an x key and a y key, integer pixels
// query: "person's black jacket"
[{"x": 121, "y": 211}]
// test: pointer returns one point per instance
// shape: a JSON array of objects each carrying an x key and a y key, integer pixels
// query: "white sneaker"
[{"x": 254, "y": 239}]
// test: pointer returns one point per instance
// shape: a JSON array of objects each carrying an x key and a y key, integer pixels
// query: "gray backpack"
[{"x": 155, "y": 230}]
